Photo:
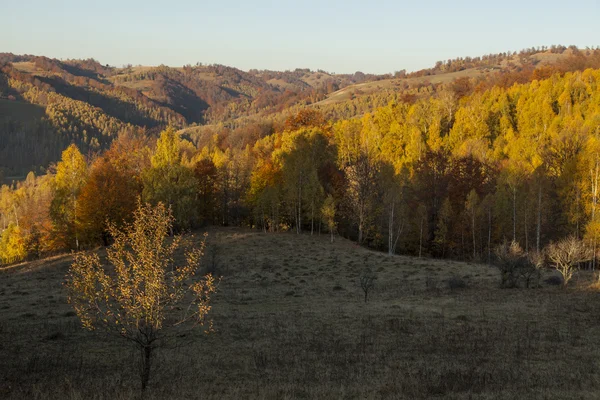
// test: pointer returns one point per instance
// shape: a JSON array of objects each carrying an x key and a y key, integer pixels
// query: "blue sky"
[{"x": 337, "y": 36}]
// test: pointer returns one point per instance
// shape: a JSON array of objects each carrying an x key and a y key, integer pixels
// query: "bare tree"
[
  {"x": 566, "y": 254},
  {"x": 152, "y": 295},
  {"x": 367, "y": 279}
]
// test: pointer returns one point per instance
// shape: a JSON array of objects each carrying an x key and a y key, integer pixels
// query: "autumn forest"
[{"x": 446, "y": 170}]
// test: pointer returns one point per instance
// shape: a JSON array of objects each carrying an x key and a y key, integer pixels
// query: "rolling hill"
[
  {"x": 291, "y": 322},
  {"x": 47, "y": 104},
  {"x": 434, "y": 76},
  {"x": 85, "y": 102}
]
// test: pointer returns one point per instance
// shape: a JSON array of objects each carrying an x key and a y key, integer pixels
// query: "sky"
[{"x": 373, "y": 36}]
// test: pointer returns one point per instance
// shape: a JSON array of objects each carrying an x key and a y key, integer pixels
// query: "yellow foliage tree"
[
  {"x": 71, "y": 175},
  {"x": 152, "y": 295},
  {"x": 13, "y": 244}
]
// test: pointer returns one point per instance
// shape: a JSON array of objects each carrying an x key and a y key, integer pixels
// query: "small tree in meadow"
[
  {"x": 367, "y": 279},
  {"x": 152, "y": 294},
  {"x": 566, "y": 255}
]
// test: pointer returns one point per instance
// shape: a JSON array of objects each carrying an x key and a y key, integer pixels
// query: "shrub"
[
  {"x": 456, "y": 282},
  {"x": 509, "y": 260},
  {"x": 516, "y": 265},
  {"x": 554, "y": 280}
]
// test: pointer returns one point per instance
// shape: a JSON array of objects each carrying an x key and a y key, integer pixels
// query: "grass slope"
[
  {"x": 291, "y": 323},
  {"x": 391, "y": 84}
]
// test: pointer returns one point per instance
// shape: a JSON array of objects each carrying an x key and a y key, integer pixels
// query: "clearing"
[{"x": 291, "y": 323}]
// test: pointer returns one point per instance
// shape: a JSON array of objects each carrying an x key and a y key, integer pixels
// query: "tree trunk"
[
  {"x": 421, "y": 237},
  {"x": 594, "y": 255},
  {"x": 74, "y": 201},
  {"x": 526, "y": 232},
  {"x": 75, "y": 222},
  {"x": 146, "y": 364},
  {"x": 514, "y": 214},
  {"x": 489, "y": 235},
  {"x": 360, "y": 227},
  {"x": 462, "y": 242},
  {"x": 474, "y": 243},
  {"x": 538, "y": 232},
  {"x": 400, "y": 229},
  {"x": 577, "y": 200},
  {"x": 299, "y": 227},
  {"x": 391, "y": 230},
  {"x": 312, "y": 217},
  {"x": 594, "y": 175},
  {"x": 16, "y": 215}
]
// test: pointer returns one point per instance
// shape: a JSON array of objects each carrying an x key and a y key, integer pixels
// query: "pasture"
[{"x": 291, "y": 323}]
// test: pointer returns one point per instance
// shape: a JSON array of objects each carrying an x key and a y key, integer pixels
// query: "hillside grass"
[
  {"x": 373, "y": 87},
  {"x": 292, "y": 323},
  {"x": 25, "y": 66}
]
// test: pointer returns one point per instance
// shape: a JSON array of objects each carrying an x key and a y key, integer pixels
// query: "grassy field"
[
  {"x": 292, "y": 324},
  {"x": 390, "y": 84}
]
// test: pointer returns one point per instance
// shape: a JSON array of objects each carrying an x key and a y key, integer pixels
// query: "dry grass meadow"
[{"x": 292, "y": 324}]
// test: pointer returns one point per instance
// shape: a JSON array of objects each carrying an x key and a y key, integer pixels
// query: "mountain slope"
[{"x": 49, "y": 103}]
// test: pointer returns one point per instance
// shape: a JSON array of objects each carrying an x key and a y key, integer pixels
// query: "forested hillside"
[
  {"x": 47, "y": 104},
  {"x": 451, "y": 174}
]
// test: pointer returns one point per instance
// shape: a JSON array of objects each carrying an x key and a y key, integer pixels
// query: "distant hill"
[
  {"x": 49, "y": 103},
  {"x": 472, "y": 68},
  {"x": 45, "y": 104}
]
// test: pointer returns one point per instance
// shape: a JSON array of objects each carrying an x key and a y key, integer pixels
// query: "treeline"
[
  {"x": 443, "y": 176},
  {"x": 507, "y": 61}
]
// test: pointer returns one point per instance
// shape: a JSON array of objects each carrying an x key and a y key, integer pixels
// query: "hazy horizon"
[{"x": 340, "y": 37}]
